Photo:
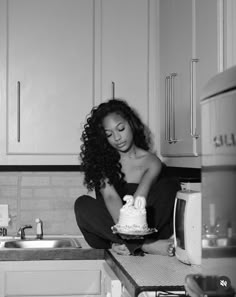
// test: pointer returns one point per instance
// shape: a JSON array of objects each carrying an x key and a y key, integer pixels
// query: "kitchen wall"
[{"x": 49, "y": 196}]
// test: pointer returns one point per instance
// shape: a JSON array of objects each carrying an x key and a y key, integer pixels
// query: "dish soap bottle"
[{"x": 39, "y": 228}]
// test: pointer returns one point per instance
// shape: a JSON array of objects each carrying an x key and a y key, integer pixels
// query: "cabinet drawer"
[{"x": 53, "y": 282}]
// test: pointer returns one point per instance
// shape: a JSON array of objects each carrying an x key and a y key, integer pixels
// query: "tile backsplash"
[{"x": 49, "y": 196}]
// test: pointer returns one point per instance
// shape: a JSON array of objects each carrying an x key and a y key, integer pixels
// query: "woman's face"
[{"x": 118, "y": 132}]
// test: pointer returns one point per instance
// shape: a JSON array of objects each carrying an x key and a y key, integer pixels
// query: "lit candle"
[{"x": 212, "y": 214}]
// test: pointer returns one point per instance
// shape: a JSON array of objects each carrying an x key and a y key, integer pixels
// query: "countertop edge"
[
  {"x": 132, "y": 287},
  {"x": 51, "y": 254}
]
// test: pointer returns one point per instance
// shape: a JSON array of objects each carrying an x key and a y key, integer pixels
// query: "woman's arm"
[
  {"x": 112, "y": 201},
  {"x": 153, "y": 169}
]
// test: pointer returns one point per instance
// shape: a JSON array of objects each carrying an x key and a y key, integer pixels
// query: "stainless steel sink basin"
[{"x": 50, "y": 243}]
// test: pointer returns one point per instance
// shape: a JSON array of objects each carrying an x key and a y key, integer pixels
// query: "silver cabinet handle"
[
  {"x": 113, "y": 90},
  {"x": 173, "y": 138},
  {"x": 167, "y": 108},
  {"x": 192, "y": 105},
  {"x": 18, "y": 111},
  {"x": 172, "y": 107}
]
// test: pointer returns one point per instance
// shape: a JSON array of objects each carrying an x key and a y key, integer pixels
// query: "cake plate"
[{"x": 133, "y": 234}]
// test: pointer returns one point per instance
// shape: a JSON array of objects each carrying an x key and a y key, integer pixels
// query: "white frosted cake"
[{"x": 133, "y": 216}]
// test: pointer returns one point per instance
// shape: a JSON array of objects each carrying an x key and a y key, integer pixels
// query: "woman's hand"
[
  {"x": 129, "y": 199},
  {"x": 120, "y": 249},
  {"x": 140, "y": 202}
]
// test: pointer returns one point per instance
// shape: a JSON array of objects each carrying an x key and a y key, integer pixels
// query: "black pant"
[{"x": 95, "y": 221}]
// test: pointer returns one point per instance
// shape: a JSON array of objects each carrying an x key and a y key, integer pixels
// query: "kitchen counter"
[
  {"x": 51, "y": 254},
  {"x": 150, "y": 272},
  {"x": 163, "y": 273},
  {"x": 137, "y": 273}
]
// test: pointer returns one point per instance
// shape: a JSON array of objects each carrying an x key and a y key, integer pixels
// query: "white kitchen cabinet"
[
  {"x": 58, "y": 278},
  {"x": 125, "y": 59},
  {"x": 59, "y": 58},
  {"x": 49, "y": 75},
  {"x": 207, "y": 49},
  {"x": 188, "y": 58},
  {"x": 229, "y": 8}
]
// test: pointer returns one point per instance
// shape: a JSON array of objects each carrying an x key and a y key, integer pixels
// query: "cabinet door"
[
  {"x": 50, "y": 75},
  {"x": 112, "y": 285},
  {"x": 125, "y": 52},
  {"x": 206, "y": 50},
  {"x": 52, "y": 278},
  {"x": 176, "y": 27}
]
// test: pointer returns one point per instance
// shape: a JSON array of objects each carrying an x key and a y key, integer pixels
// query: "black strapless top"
[{"x": 128, "y": 189}]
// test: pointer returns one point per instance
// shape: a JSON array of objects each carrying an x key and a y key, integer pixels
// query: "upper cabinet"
[
  {"x": 50, "y": 71},
  {"x": 49, "y": 77},
  {"x": 124, "y": 35},
  {"x": 189, "y": 52},
  {"x": 229, "y": 9},
  {"x": 58, "y": 59},
  {"x": 208, "y": 51}
]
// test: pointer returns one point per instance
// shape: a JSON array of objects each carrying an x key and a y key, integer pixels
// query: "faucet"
[
  {"x": 21, "y": 231},
  {"x": 39, "y": 228}
]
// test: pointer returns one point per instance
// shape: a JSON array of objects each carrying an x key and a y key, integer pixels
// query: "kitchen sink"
[{"x": 51, "y": 243}]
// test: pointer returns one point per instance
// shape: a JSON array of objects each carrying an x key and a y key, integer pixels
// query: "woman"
[{"x": 116, "y": 160}]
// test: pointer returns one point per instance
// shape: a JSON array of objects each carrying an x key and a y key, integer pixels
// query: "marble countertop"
[{"x": 164, "y": 273}]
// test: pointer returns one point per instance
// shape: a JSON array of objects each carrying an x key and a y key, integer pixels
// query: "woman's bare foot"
[
  {"x": 158, "y": 247},
  {"x": 120, "y": 249}
]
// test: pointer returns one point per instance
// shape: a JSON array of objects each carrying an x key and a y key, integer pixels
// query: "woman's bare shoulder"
[
  {"x": 149, "y": 156},
  {"x": 151, "y": 160}
]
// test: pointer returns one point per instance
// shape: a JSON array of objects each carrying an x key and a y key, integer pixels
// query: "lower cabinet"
[{"x": 58, "y": 278}]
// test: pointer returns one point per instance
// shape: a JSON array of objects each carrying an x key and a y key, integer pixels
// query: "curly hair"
[{"x": 100, "y": 161}]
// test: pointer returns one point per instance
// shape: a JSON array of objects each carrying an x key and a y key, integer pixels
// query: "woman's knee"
[
  {"x": 82, "y": 201},
  {"x": 81, "y": 207}
]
